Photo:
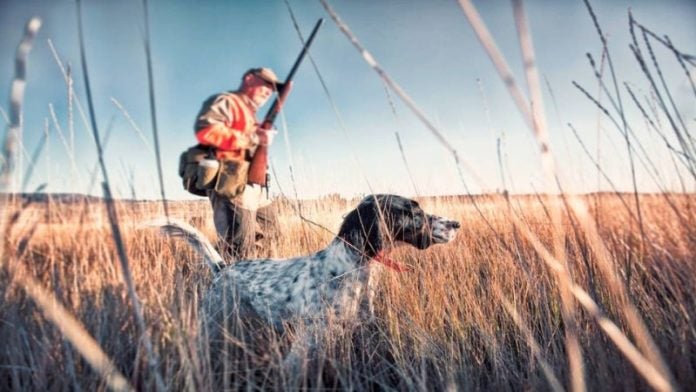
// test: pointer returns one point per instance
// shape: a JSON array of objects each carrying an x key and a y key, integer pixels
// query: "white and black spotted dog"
[{"x": 333, "y": 279}]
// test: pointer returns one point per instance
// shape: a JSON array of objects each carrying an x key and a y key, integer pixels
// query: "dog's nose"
[{"x": 453, "y": 225}]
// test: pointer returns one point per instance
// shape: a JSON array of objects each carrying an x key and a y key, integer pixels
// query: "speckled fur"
[{"x": 333, "y": 279}]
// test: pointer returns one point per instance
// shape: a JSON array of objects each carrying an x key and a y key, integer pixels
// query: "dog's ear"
[
  {"x": 361, "y": 227},
  {"x": 370, "y": 219},
  {"x": 373, "y": 232}
]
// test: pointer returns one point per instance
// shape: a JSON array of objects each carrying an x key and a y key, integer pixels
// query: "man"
[{"x": 227, "y": 122}]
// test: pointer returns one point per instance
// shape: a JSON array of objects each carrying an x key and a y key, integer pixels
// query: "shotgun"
[{"x": 258, "y": 167}]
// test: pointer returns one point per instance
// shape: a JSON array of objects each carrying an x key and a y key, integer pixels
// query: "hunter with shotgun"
[{"x": 229, "y": 165}]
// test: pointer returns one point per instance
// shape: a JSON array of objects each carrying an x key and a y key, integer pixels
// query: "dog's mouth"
[
  {"x": 444, "y": 238},
  {"x": 438, "y": 231}
]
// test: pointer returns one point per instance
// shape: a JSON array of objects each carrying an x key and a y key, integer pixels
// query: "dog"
[{"x": 331, "y": 282}]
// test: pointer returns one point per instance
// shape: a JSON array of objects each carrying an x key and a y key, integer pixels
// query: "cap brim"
[
  {"x": 268, "y": 79},
  {"x": 278, "y": 85}
]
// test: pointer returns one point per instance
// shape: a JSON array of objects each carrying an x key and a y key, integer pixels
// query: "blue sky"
[{"x": 202, "y": 47}]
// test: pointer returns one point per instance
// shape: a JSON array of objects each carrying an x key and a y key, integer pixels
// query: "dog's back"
[{"x": 283, "y": 290}]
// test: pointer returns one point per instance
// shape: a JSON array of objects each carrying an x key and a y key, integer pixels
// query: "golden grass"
[{"x": 481, "y": 313}]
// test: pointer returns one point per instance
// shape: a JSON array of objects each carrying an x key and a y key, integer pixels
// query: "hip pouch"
[
  {"x": 206, "y": 173},
  {"x": 188, "y": 168},
  {"x": 232, "y": 177}
]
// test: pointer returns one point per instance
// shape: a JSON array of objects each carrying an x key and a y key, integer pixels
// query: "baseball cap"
[{"x": 266, "y": 74}]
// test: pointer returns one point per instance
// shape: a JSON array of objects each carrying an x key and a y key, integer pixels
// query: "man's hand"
[{"x": 266, "y": 136}]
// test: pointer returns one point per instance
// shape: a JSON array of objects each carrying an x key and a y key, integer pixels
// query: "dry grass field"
[
  {"x": 590, "y": 292},
  {"x": 485, "y": 312}
]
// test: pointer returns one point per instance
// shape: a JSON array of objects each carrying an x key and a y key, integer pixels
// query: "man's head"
[{"x": 259, "y": 84}]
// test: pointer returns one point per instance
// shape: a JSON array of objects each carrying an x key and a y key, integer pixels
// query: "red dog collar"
[{"x": 396, "y": 266}]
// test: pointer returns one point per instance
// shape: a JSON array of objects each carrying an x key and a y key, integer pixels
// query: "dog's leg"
[
  {"x": 372, "y": 282},
  {"x": 367, "y": 302},
  {"x": 304, "y": 346}
]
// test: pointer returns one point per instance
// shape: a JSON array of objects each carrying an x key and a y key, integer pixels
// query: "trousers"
[{"x": 242, "y": 233}]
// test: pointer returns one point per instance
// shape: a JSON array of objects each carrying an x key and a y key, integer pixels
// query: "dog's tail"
[{"x": 195, "y": 238}]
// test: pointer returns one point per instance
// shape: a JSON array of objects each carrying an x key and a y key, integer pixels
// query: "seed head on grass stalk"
[
  {"x": 683, "y": 133},
  {"x": 14, "y": 134}
]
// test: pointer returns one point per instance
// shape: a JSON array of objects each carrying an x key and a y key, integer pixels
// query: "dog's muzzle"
[{"x": 442, "y": 230}]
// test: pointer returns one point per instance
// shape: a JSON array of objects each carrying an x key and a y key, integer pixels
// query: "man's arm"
[{"x": 222, "y": 125}]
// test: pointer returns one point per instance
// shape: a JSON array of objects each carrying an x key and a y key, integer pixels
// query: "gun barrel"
[
  {"x": 259, "y": 162},
  {"x": 273, "y": 111}
]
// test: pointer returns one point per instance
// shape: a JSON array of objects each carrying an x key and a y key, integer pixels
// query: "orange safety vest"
[{"x": 228, "y": 123}]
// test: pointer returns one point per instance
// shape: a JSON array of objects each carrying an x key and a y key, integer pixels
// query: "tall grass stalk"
[
  {"x": 66, "y": 144},
  {"x": 153, "y": 108},
  {"x": 113, "y": 218},
  {"x": 575, "y": 356},
  {"x": 4, "y": 116},
  {"x": 679, "y": 126},
  {"x": 69, "y": 83},
  {"x": 35, "y": 157},
  {"x": 624, "y": 129},
  {"x": 94, "y": 172},
  {"x": 554, "y": 383},
  {"x": 533, "y": 112},
  {"x": 332, "y": 103},
  {"x": 70, "y": 328},
  {"x": 71, "y": 115},
  {"x": 651, "y": 374},
  {"x": 398, "y": 141},
  {"x": 617, "y": 287},
  {"x": 135, "y": 126},
  {"x": 461, "y": 164}
]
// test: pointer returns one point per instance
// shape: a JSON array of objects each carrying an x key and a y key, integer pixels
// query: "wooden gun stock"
[{"x": 259, "y": 162}]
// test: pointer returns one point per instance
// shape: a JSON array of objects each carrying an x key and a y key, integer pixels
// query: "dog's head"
[{"x": 389, "y": 216}]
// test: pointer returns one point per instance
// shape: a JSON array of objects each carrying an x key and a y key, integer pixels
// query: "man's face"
[{"x": 257, "y": 89}]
